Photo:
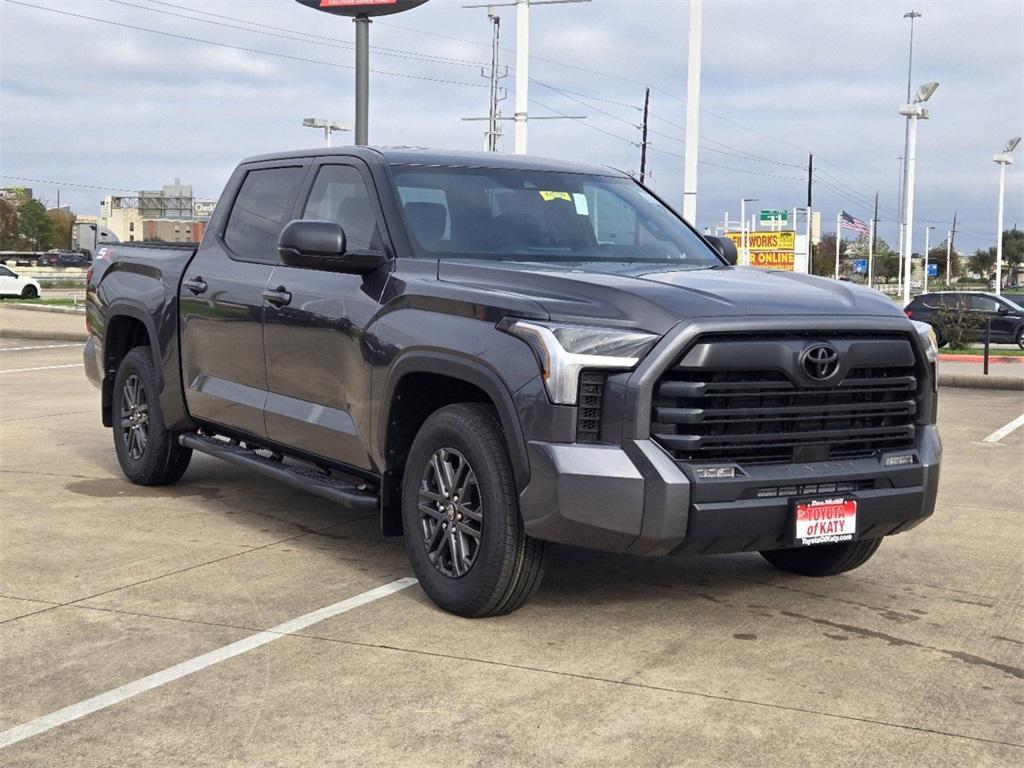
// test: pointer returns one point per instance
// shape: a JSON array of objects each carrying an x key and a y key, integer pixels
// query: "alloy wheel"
[
  {"x": 451, "y": 512},
  {"x": 134, "y": 417}
]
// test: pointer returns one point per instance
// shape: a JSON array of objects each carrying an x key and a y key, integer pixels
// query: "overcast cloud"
[{"x": 95, "y": 103}]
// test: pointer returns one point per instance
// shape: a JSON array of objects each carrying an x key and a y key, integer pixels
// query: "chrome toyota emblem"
[{"x": 820, "y": 361}]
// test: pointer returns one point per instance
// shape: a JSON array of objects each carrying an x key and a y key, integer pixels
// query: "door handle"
[
  {"x": 279, "y": 297},
  {"x": 196, "y": 285}
]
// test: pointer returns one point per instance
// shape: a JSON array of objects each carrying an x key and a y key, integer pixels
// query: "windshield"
[
  {"x": 1014, "y": 305},
  {"x": 543, "y": 216}
]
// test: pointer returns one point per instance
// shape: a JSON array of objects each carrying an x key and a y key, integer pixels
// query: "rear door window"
[{"x": 262, "y": 208}]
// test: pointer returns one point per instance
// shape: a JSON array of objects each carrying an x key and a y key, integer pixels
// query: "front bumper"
[{"x": 636, "y": 499}]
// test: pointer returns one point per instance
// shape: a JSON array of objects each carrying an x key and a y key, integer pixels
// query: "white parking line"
[
  {"x": 42, "y": 368},
  {"x": 1003, "y": 431},
  {"x": 178, "y": 671},
  {"x": 42, "y": 346}
]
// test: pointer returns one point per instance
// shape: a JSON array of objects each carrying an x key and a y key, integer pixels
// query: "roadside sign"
[
  {"x": 768, "y": 250},
  {"x": 773, "y": 215},
  {"x": 933, "y": 270},
  {"x": 860, "y": 266},
  {"x": 362, "y": 7}
]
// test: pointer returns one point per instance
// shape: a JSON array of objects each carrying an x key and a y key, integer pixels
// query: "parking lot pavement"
[{"x": 917, "y": 658}]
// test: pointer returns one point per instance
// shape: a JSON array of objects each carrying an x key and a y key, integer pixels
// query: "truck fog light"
[
  {"x": 709, "y": 473},
  {"x": 899, "y": 459}
]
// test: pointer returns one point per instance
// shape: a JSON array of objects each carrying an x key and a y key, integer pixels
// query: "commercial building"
[{"x": 171, "y": 214}]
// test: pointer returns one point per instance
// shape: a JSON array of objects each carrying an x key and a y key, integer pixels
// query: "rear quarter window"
[{"x": 261, "y": 209}]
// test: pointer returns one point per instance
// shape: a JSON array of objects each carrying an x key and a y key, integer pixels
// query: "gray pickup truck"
[{"x": 497, "y": 352}]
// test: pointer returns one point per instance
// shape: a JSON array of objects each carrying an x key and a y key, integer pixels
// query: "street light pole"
[
  {"x": 1003, "y": 159},
  {"x": 906, "y": 137},
  {"x": 913, "y": 112},
  {"x": 329, "y": 127},
  {"x": 692, "y": 128},
  {"x": 744, "y": 232}
]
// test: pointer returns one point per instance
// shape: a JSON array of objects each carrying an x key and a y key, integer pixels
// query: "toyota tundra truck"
[{"x": 497, "y": 352}]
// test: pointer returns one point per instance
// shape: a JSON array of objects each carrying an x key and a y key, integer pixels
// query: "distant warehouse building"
[{"x": 171, "y": 214}]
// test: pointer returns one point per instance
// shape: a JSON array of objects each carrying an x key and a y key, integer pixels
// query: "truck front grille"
[{"x": 731, "y": 413}]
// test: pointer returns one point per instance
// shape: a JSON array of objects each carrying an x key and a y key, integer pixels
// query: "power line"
[
  {"x": 68, "y": 184},
  {"x": 242, "y": 48},
  {"x": 305, "y": 37}
]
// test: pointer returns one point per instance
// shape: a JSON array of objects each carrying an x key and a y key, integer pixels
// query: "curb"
[
  {"x": 37, "y": 335},
  {"x": 980, "y": 359},
  {"x": 980, "y": 381},
  {"x": 45, "y": 308}
]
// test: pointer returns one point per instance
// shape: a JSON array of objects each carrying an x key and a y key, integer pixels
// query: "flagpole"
[
  {"x": 839, "y": 230},
  {"x": 871, "y": 254}
]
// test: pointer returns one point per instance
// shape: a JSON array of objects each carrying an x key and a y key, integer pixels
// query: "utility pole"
[
  {"x": 810, "y": 179},
  {"x": 692, "y": 130},
  {"x": 949, "y": 253},
  {"x": 493, "y": 131},
  {"x": 643, "y": 138},
  {"x": 874, "y": 235}
]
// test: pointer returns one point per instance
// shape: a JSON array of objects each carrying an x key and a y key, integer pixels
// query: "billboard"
[
  {"x": 362, "y": 7},
  {"x": 768, "y": 250}
]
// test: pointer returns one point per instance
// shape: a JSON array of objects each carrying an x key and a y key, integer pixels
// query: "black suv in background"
[{"x": 1007, "y": 317}]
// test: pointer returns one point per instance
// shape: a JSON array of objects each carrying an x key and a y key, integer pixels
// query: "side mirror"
[
  {"x": 314, "y": 244},
  {"x": 1003, "y": 309},
  {"x": 725, "y": 248}
]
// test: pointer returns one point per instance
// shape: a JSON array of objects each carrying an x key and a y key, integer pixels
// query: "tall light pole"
[
  {"x": 329, "y": 127},
  {"x": 1003, "y": 159},
  {"x": 913, "y": 112},
  {"x": 927, "y": 235},
  {"x": 906, "y": 136},
  {"x": 692, "y": 134},
  {"x": 744, "y": 236}
]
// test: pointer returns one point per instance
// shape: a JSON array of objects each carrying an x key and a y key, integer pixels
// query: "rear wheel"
[
  {"x": 30, "y": 292},
  {"x": 463, "y": 532},
  {"x": 823, "y": 559},
  {"x": 149, "y": 454}
]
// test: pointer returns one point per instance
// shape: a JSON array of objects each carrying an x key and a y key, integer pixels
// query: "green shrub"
[{"x": 958, "y": 326}]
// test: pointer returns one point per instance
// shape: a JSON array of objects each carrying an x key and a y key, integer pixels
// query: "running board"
[{"x": 301, "y": 477}]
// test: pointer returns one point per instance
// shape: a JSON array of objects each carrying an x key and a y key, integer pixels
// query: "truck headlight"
[
  {"x": 563, "y": 350},
  {"x": 927, "y": 334}
]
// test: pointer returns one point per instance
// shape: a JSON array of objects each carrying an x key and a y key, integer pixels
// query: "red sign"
[
  {"x": 826, "y": 521},
  {"x": 337, "y": 3}
]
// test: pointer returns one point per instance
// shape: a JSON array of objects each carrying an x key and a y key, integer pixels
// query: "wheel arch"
[
  {"x": 126, "y": 327},
  {"x": 418, "y": 384}
]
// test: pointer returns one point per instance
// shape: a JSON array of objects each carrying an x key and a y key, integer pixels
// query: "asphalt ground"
[{"x": 917, "y": 658}]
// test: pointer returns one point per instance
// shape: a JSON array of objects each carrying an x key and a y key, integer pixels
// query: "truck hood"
[{"x": 655, "y": 299}]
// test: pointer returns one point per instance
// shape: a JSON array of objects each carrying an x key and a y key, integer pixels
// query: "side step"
[{"x": 301, "y": 477}]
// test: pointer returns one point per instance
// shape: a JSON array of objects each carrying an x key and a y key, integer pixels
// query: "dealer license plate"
[{"x": 825, "y": 521}]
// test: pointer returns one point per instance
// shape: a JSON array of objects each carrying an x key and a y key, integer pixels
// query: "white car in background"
[{"x": 11, "y": 284}]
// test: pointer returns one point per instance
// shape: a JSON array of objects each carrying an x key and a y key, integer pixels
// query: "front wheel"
[
  {"x": 463, "y": 531},
  {"x": 1020, "y": 337},
  {"x": 30, "y": 292},
  {"x": 149, "y": 454},
  {"x": 823, "y": 559}
]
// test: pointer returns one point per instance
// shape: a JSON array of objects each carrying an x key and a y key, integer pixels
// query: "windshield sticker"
[
  {"x": 549, "y": 196},
  {"x": 581, "y": 203}
]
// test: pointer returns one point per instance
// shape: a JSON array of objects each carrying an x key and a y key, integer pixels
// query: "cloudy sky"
[{"x": 92, "y": 94}]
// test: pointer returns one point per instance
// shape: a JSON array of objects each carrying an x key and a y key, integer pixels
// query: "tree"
[
  {"x": 937, "y": 255},
  {"x": 1013, "y": 254},
  {"x": 63, "y": 224},
  {"x": 8, "y": 226},
  {"x": 983, "y": 263},
  {"x": 34, "y": 225},
  {"x": 823, "y": 256}
]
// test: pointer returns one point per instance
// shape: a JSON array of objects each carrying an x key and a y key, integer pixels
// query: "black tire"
[
  {"x": 505, "y": 565},
  {"x": 148, "y": 453},
  {"x": 823, "y": 559},
  {"x": 1020, "y": 337},
  {"x": 29, "y": 292}
]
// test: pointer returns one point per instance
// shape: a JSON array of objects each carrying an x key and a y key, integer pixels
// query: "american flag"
[{"x": 850, "y": 222}]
